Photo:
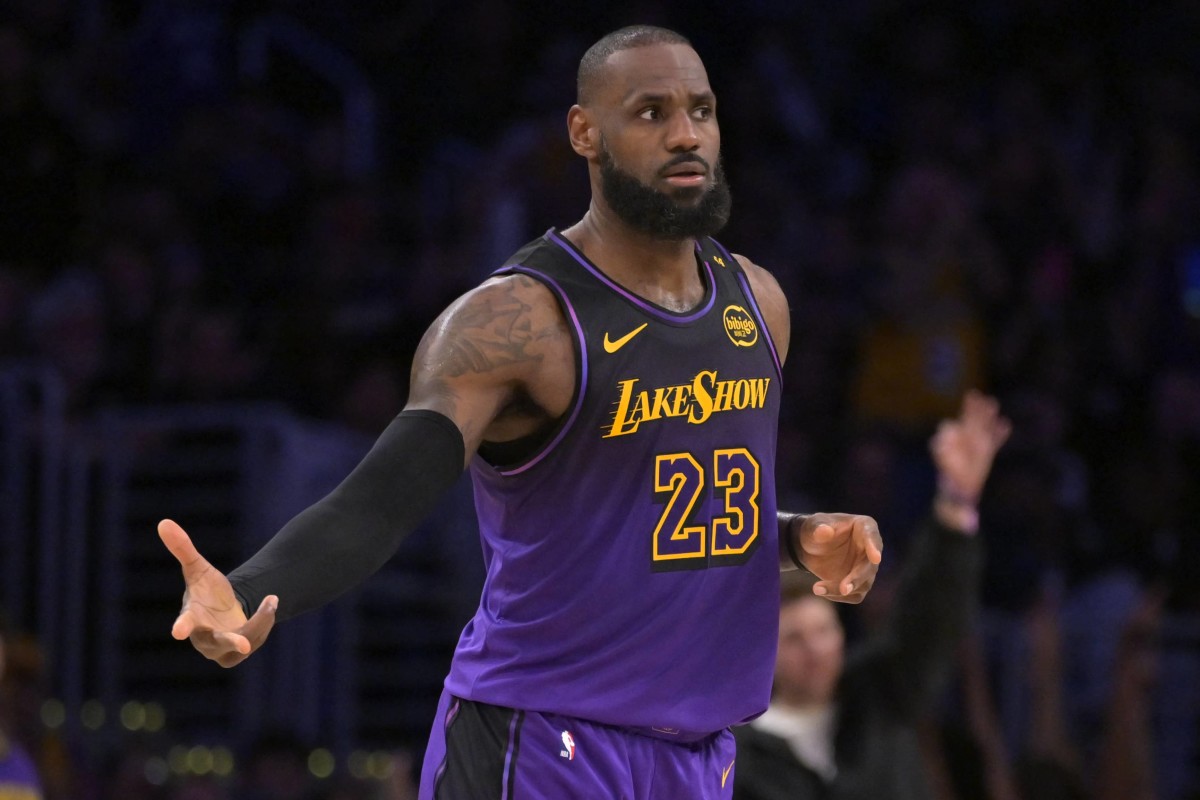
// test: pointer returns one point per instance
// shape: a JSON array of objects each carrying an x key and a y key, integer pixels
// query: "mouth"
[
  {"x": 687, "y": 173},
  {"x": 686, "y": 179}
]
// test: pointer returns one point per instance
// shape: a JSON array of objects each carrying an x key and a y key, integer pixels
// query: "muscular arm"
[{"x": 497, "y": 364}]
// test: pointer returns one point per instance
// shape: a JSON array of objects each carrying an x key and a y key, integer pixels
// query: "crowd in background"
[{"x": 1002, "y": 194}]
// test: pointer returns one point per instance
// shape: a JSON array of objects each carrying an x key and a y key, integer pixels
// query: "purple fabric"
[
  {"x": 566, "y": 757},
  {"x": 632, "y": 569},
  {"x": 18, "y": 776}
]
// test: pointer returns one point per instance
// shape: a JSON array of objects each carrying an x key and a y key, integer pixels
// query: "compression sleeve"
[{"x": 345, "y": 537}]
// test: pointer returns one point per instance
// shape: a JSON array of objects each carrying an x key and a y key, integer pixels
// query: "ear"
[{"x": 584, "y": 135}]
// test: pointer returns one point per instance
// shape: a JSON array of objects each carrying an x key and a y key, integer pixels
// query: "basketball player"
[{"x": 614, "y": 391}]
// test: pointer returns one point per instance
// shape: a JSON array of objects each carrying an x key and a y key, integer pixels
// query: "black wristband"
[{"x": 790, "y": 543}]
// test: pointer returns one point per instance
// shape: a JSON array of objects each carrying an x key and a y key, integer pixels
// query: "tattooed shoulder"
[{"x": 505, "y": 322}]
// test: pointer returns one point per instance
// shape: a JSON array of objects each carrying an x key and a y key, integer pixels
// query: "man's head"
[
  {"x": 646, "y": 121},
  {"x": 811, "y": 650}
]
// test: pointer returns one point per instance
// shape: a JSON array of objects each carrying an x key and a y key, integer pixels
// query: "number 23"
[{"x": 682, "y": 537}]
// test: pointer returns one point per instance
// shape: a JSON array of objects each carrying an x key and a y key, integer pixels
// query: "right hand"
[
  {"x": 963, "y": 448},
  {"x": 211, "y": 617}
]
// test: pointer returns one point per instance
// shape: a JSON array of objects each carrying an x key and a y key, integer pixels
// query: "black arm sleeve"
[{"x": 344, "y": 538}]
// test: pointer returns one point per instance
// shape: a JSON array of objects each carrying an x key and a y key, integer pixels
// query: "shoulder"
[
  {"x": 503, "y": 343},
  {"x": 513, "y": 295},
  {"x": 771, "y": 301},
  {"x": 506, "y": 320}
]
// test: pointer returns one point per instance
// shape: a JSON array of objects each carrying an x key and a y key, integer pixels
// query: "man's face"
[
  {"x": 811, "y": 649},
  {"x": 660, "y": 168}
]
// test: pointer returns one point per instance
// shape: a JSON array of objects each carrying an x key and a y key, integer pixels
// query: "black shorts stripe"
[{"x": 481, "y": 753}]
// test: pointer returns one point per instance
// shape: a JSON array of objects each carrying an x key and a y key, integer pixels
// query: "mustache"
[{"x": 685, "y": 158}]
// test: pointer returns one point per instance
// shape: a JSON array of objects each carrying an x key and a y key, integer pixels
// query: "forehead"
[{"x": 654, "y": 69}]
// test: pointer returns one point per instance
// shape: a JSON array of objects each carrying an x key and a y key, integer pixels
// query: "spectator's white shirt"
[{"x": 809, "y": 732}]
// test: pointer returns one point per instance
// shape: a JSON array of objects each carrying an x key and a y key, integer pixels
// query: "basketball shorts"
[{"x": 482, "y": 752}]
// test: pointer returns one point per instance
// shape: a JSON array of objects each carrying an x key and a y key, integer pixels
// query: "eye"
[
  {"x": 702, "y": 112},
  {"x": 650, "y": 113}
]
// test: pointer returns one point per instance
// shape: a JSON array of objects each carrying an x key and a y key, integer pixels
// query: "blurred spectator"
[
  {"x": 69, "y": 329},
  {"x": 23, "y": 691},
  {"x": 199, "y": 788},
  {"x": 1125, "y": 762},
  {"x": 276, "y": 768},
  {"x": 18, "y": 776},
  {"x": 844, "y": 723},
  {"x": 923, "y": 346}
]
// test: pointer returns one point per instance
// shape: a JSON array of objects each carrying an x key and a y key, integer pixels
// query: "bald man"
[{"x": 614, "y": 391}]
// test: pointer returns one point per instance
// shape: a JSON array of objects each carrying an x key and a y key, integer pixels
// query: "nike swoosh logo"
[
  {"x": 612, "y": 347},
  {"x": 725, "y": 774}
]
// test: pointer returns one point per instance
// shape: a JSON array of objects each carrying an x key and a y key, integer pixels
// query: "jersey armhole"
[
  {"x": 565, "y": 422},
  {"x": 744, "y": 283}
]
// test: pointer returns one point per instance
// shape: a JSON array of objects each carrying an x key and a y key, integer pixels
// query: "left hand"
[{"x": 843, "y": 550}]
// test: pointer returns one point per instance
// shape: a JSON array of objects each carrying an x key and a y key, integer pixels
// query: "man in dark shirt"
[{"x": 843, "y": 726}]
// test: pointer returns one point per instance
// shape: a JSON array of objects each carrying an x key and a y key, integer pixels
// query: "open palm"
[{"x": 211, "y": 616}]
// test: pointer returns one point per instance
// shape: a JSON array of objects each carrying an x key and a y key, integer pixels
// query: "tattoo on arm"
[
  {"x": 493, "y": 332},
  {"x": 491, "y": 340}
]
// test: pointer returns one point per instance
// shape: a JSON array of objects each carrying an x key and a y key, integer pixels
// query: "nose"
[{"x": 682, "y": 135}]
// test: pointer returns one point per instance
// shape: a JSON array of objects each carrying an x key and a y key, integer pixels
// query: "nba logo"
[{"x": 569, "y": 744}]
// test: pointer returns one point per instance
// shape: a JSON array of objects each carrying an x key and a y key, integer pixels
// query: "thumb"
[
  {"x": 259, "y": 625},
  {"x": 180, "y": 545}
]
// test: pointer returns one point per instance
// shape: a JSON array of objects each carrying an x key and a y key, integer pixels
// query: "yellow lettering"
[
  {"x": 622, "y": 424},
  {"x": 660, "y": 403},
  {"x": 697, "y": 401},
  {"x": 741, "y": 396},
  {"x": 679, "y": 400},
  {"x": 703, "y": 407},
  {"x": 758, "y": 392},
  {"x": 723, "y": 395},
  {"x": 641, "y": 407}
]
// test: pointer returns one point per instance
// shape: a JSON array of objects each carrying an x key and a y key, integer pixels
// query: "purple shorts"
[{"x": 483, "y": 752}]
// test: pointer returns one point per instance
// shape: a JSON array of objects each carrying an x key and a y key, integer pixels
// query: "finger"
[
  {"x": 823, "y": 534},
  {"x": 207, "y": 645},
  {"x": 232, "y": 641},
  {"x": 184, "y": 625},
  {"x": 230, "y": 660},
  {"x": 830, "y": 590},
  {"x": 180, "y": 545},
  {"x": 1001, "y": 431},
  {"x": 825, "y": 588},
  {"x": 258, "y": 627},
  {"x": 870, "y": 540},
  {"x": 859, "y": 580}
]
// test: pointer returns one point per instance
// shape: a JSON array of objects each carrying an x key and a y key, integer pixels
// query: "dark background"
[{"x": 246, "y": 214}]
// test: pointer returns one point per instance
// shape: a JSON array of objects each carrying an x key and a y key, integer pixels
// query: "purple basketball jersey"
[{"x": 632, "y": 562}]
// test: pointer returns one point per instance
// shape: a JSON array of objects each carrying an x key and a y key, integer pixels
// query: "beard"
[{"x": 686, "y": 213}]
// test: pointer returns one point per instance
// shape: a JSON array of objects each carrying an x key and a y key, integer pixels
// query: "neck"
[{"x": 661, "y": 271}]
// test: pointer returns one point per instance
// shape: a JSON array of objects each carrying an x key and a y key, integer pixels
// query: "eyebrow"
[{"x": 659, "y": 98}]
